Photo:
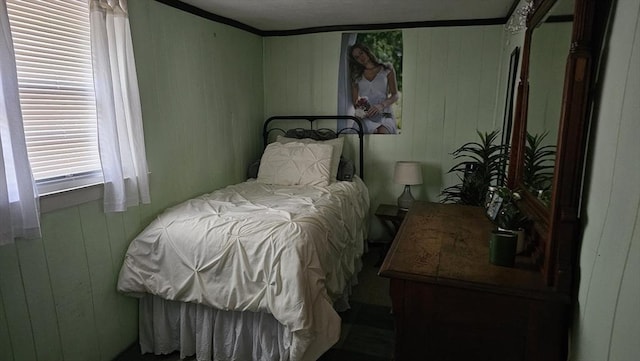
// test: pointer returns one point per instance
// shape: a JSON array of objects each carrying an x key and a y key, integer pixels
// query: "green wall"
[
  {"x": 607, "y": 316},
  {"x": 452, "y": 81},
  {"x": 204, "y": 96},
  {"x": 201, "y": 87}
]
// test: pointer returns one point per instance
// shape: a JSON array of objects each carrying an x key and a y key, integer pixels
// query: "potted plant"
[
  {"x": 539, "y": 163},
  {"x": 480, "y": 166}
]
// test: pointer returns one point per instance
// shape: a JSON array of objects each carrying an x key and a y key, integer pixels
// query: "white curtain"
[
  {"x": 120, "y": 134},
  {"x": 345, "y": 104},
  {"x": 19, "y": 214}
]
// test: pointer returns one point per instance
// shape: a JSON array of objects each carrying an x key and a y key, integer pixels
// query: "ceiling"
[
  {"x": 286, "y": 15},
  {"x": 281, "y": 17}
]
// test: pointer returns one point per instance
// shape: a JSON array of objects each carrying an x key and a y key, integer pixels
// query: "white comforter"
[{"x": 286, "y": 250}]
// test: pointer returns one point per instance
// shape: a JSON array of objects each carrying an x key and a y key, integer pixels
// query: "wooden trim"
[
  {"x": 559, "y": 19},
  {"x": 321, "y": 29},
  {"x": 386, "y": 26},
  {"x": 70, "y": 198},
  {"x": 210, "y": 16}
]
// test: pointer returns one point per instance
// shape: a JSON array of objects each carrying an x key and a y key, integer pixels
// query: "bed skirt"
[
  {"x": 210, "y": 334},
  {"x": 213, "y": 335}
]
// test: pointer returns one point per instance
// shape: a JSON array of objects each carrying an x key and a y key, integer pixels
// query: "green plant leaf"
[{"x": 486, "y": 161}]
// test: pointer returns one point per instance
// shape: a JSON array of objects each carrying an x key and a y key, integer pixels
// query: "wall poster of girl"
[{"x": 370, "y": 80}]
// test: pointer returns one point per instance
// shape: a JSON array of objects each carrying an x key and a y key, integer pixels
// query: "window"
[{"x": 53, "y": 56}]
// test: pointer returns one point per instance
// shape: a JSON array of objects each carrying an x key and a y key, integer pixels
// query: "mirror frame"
[{"x": 556, "y": 229}]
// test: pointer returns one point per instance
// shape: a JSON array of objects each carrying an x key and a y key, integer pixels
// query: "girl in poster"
[{"x": 373, "y": 90}]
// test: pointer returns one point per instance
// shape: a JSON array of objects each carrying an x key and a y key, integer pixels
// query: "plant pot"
[
  {"x": 520, "y": 245},
  {"x": 502, "y": 248}
]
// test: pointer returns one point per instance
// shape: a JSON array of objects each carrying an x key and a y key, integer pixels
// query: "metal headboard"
[{"x": 319, "y": 134}]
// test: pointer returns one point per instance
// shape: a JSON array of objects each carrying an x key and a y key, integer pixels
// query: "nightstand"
[{"x": 391, "y": 217}]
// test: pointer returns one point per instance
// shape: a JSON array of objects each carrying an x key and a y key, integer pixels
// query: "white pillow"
[
  {"x": 336, "y": 143},
  {"x": 296, "y": 164}
]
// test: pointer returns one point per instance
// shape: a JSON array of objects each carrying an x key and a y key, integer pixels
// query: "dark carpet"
[{"x": 367, "y": 335}]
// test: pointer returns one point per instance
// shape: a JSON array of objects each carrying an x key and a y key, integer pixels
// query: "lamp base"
[{"x": 406, "y": 198}]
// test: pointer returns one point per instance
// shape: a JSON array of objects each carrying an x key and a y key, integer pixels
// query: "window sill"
[{"x": 74, "y": 197}]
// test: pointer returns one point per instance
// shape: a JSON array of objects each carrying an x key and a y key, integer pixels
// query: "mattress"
[{"x": 289, "y": 251}]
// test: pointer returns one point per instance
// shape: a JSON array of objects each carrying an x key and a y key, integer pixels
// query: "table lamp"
[{"x": 407, "y": 173}]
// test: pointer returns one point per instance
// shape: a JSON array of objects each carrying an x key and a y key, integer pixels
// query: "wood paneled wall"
[
  {"x": 607, "y": 319},
  {"x": 58, "y": 293},
  {"x": 201, "y": 86},
  {"x": 205, "y": 90},
  {"x": 453, "y": 86}
]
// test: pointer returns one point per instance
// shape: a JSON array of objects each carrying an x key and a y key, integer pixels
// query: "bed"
[{"x": 257, "y": 270}]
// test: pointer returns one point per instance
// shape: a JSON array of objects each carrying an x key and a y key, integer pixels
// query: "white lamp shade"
[{"x": 407, "y": 173}]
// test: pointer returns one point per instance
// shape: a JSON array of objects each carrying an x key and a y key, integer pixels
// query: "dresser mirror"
[
  {"x": 559, "y": 57},
  {"x": 550, "y": 44}
]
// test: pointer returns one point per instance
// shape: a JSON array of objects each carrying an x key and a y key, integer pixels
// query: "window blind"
[{"x": 53, "y": 56}]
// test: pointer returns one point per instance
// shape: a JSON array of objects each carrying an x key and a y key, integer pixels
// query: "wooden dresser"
[{"x": 450, "y": 303}]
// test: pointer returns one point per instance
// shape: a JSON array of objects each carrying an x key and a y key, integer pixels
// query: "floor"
[
  {"x": 367, "y": 328},
  {"x": 372, "y": 289}
]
